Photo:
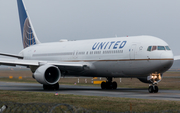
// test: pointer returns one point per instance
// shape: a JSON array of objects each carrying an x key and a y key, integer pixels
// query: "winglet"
[{"x": 27, "y": 31}]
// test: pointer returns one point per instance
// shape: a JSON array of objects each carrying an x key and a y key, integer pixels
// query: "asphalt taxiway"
[{"x": 95, "y": 91}]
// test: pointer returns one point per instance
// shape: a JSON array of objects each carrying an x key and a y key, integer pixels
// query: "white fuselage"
[{"x": 115, "y": 57}]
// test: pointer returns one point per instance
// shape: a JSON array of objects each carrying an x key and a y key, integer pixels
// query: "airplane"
[{"x": 143, "y": 57}]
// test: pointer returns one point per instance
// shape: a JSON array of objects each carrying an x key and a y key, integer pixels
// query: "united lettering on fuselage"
[{"x": 109, "y": 45}]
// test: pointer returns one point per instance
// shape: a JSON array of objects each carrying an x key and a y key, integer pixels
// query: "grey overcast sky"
[{"x": 86, "y": 19}]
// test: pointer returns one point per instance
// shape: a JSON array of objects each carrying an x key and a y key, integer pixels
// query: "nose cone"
[{"x": 167, "y": 60}]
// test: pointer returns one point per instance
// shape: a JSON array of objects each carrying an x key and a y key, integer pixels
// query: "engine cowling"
[{"x": 47, "y": 74}]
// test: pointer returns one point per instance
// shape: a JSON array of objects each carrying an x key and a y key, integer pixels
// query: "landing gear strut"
[
  {"x": 109, "y": 84},
  {"x": 51, "y": 87},
  {"x": 153, "y": 88}
]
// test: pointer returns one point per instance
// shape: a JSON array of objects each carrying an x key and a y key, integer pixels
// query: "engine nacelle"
[
  {"x": 47, "y": 74},
  {"x": 153, "y": 78}
]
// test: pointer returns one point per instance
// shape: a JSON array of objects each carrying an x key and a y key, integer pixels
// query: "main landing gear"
[
  {"x": 109, "y": 84},
  {"x": 51, "y": 87}
]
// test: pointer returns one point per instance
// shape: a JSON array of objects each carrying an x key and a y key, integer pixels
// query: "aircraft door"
[
  {"x": 132, "y": 52},
  {"x": 75, "y": 56}
]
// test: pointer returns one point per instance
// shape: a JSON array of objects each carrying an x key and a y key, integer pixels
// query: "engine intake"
[{"x": 47, "y": 74}]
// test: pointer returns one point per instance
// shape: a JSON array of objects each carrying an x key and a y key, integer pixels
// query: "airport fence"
[{"x": 12, "y": 107}]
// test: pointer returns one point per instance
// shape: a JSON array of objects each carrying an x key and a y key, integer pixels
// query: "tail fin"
[{"x": 28, "y": 35}]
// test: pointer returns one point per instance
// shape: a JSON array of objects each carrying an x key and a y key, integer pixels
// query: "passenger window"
[
  {"x": 161, "y": 48},
  {"x": 149, "y": 48},
  {"x": 167, "y": 48},
  {"x": 154, "y": 48}
]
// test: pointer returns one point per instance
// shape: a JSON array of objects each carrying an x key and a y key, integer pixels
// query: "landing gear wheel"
[
  {"x": 103, "y": 85},
  {"x": 150, "y": 89},
  {"x": 114, "y": 85},
  {"x": 45, "y": 87},
  {"x": 51, "y": 87},
  {"x": 156, "y": 89},
  {"x": 108, "y": 85},
  {"x": 56, "y": 86}
]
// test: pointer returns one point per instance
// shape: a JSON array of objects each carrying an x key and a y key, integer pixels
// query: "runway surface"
[{"x": 95, "y": 91}]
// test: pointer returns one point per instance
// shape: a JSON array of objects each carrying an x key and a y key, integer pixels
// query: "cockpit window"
[
  {"x": 154, "y": 48},
  {"x": 149, "y": 48},
  {"x": 161, "y": 48},
  {"x": 167, "y": 48}
]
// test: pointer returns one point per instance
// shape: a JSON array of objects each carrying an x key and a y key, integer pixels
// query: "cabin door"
[{"x": 132, "y": 51}]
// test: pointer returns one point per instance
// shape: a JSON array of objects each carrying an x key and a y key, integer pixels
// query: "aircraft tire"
[
  {"x": 109, "y": 85},
  {"x": 51, "y": 87},
  {"x": 45, "y": 87},
  {"x": 103, "y": 85},
  {"x": 56, "y": 86},
  {"x": 114, "y": 85},
  {"x": 156, "y": 89},
  {"x": 150, "y": 89}
]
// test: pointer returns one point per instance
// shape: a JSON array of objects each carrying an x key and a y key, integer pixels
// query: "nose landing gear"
[
  {"x": 154, "y": 78},
  {"x": 109, "y": 84},
  {"x": 153, "y": 89}
]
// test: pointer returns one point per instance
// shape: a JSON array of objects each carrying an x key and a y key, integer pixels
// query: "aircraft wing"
[
  {"x": 14, "y": 62},
  {"x": 177, "y": 57},
  {"x": 62, "y": 65},
  {"x": 11, "y": 55}
]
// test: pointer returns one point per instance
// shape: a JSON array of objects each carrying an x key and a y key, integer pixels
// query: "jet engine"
[
  {"x": 153, "y": 78},
  {"x": 47, "y": 74}
]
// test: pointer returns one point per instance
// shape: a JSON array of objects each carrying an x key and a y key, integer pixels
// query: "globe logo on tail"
[{"x": 28, "y": 36}]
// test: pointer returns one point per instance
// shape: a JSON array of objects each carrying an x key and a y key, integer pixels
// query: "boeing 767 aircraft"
[{"x": 142, "y": 57}]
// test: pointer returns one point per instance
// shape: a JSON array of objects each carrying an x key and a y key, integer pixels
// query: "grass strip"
[{"x": 112, "y": 104}]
